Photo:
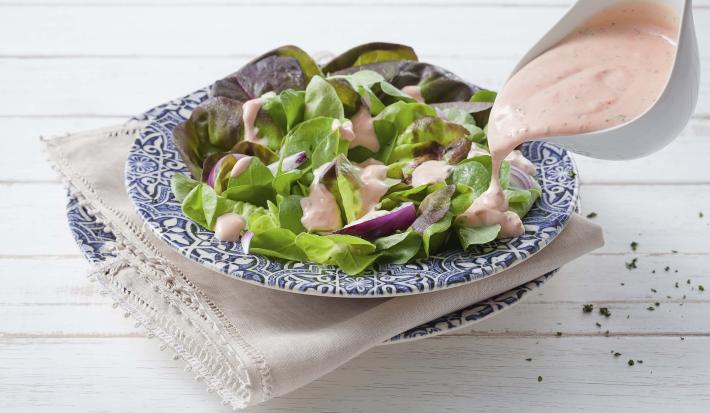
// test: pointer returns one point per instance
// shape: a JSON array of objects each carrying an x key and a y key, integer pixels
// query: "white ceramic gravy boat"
[{"x": 663, "y": 121}]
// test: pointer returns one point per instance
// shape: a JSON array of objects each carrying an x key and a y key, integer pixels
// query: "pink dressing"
[
  {"x": 430, "y": 172},
  {"x": 250, "y": 110},
  {"x": 373, "y": 186},
  {"x": 360, "y": 130},
  {"x": 320, "y": 210},
  {"x": 607, "y": 72},
  {"x": 415, "y": 92},
  {"x": 241, "y": 166},
  {"x": 229, "y": 227}
]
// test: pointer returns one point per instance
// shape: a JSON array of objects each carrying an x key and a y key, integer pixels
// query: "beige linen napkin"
[{"x": 250, "y": 343}]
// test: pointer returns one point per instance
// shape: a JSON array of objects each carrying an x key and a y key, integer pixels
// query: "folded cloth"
[{"x": 250, "y": 343}]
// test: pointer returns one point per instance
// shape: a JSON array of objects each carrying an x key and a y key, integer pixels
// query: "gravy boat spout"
[{"x": 659, "y": 124}]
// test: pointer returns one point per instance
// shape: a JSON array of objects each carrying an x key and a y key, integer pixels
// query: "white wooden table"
[{"x": 67, "y": 65}]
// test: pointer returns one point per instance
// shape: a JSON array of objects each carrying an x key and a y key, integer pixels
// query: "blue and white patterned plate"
[
  {"x": 93, "y": 241},
  {"x": 153, "y": 160}
]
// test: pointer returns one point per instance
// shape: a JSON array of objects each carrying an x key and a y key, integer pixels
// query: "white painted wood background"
[{"x": 67, "y": 65}]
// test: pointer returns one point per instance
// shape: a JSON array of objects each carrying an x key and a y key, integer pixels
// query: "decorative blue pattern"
[
  {"x": 92, "y": 239},
  {"x": 89, "y": 234},
  {"x": 153, "y": 160}
]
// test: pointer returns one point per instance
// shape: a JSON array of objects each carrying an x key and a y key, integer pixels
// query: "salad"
[{"x": 373, "y": 157}]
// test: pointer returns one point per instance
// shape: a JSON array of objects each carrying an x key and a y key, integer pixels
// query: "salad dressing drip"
[
  {"x": 431, "y": 172},
  {"x": 373, "y": 186},
  {"x": 415, "y": 92},
  {"x": 360, "y": 130},
  {"x": 241, "y": 166},
  {"x": 250, "y": 110},
  {"x": 229, "y": 227},
  {"x": 608, "y": 71}
]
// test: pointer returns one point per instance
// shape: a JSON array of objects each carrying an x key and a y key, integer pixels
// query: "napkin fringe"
[{"x": 231, "y": 383}]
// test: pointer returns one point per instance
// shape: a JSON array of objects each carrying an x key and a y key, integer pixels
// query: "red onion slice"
[
  {"x": 397, "y": 219},
  {"x": 519, "y": 178},
  {"x": 246, "y": 241},
  {"x": 290, "y": 162}
]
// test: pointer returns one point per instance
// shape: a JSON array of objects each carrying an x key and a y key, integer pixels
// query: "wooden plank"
[
  {"x": 46, "y": 232},
  {"x": 475, "y": 32},
  {"x": 446, "y": 374},
  {"x": 593, "y": 279},
  {"x": 321, "y": 3},
  {"x": 51, "y": 297},
  {"x": 27, "y": 162}
]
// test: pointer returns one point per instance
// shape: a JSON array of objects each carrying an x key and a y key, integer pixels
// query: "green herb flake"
[
  {"x": 700, "y": 214},
  {"x": 667, "y": 268},
  {"x": 592, "y": 215},
  {"x": 598, "y": 325},
  {"x": 639, "y": 361},
  {"x": 650, "y": 308},
  {"x": 701, "y": 288},
  {"x": 634, "y": 245},
  {"x": 539, "y": 379},
  {"x": 631, "y": 362},
  {"x": 587, "y": 308},
  {"x": 676, "y": 284},
  {"x": 606, "y": 333},
  {"x": 631, "y": 264},
  {"x": 654, "y": 290},
  {"x": 605, "y": 312},
  {"x": 558, "y": 334},
  {"x": 571, "y": 173},
  {"x": 657, "y": 304},
  {"x": 528, "y": 359},
  {"x": 617, "y": 354}
]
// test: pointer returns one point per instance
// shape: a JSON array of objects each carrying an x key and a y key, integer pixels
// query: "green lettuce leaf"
[
  {"x": 398, "y": 248},
  {"x": 322, "y": 100},
  {"x": 290, "y": 213},
  {"x": 318, "y": 138},
  {"x": 476, "y": 173},
  {"x": 475, "y": 236},
  {"x": 204, "y": 206},
  {"x": 352, "y": 254},
  {"x": 436, "y": 234},
  {"x": 181, "y": 186},
  {"x": 277, "y": 242}
]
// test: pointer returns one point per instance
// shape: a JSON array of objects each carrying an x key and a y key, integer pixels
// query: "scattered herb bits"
[
  {"x": 631, "y": 264},
  {"x": 587, "y": 308}
]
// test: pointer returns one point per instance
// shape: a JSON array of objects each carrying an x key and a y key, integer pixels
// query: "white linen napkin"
[{"x": 250, "y": 343}]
